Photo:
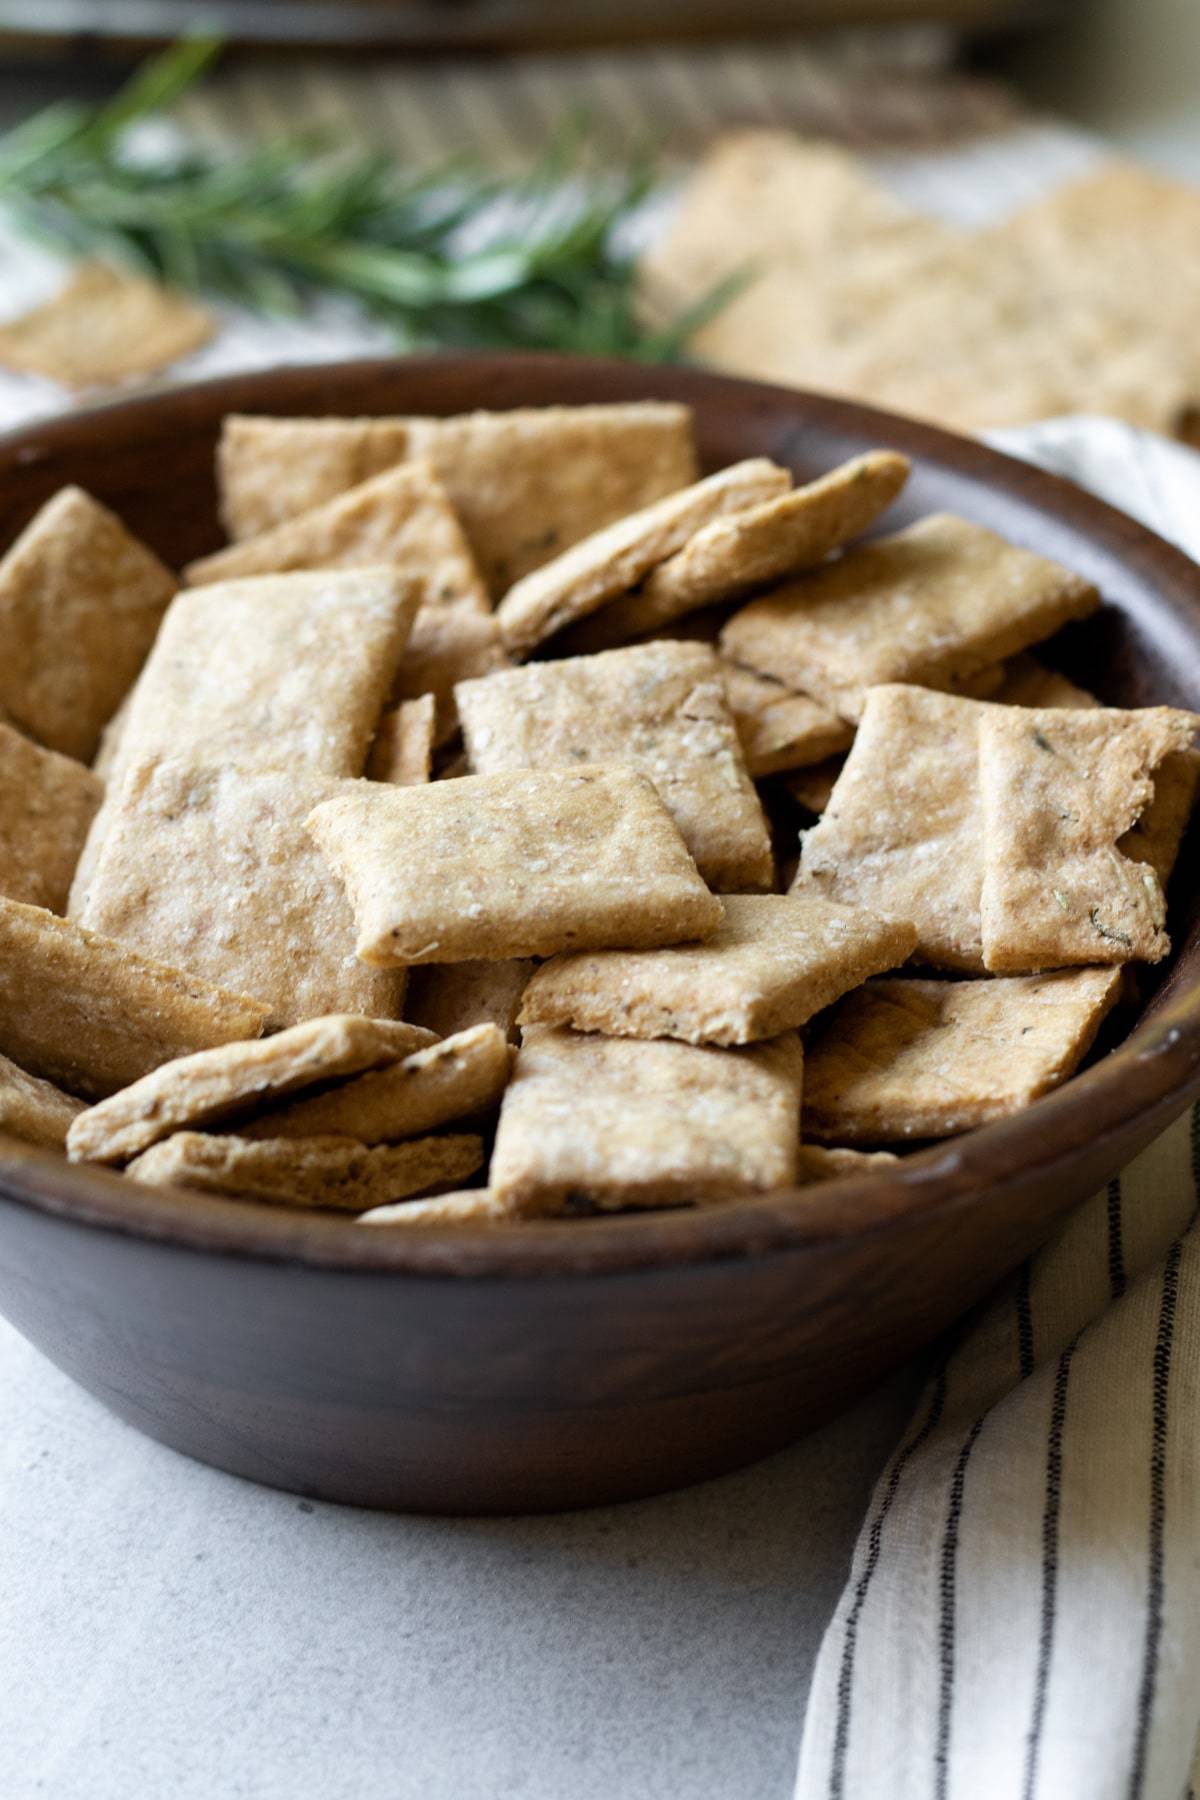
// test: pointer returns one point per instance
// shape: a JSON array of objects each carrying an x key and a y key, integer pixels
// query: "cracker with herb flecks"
[
  {"x": 821, "y": 1162},
  {"x": 402, "y": 749},
  {"x": 658, "y": 707},
  {"x": 619, "y": 1123},
  {"x": 449, "y": 644},
  {"x": 520, "y": 864},
  {"x": 778, "y": 729},
  {"x": 431, "y": 1087},
  {"x": 331, "y": 1173},
  {"x": 47, "y": 803},
  {"x": 80, "y": 602},
  {"x": 451, "y": 997},
  {"x": 93, "y": 1015},
  {"x": 937, "y": 604},
  {"x": 613, "y": 560},
  {"x": 732, "y": 556},
  {"x": 401, "y": 519},
  {"x": 33, "y": 1110},
  {"x": 233, "y": 1080},
  {"x": 902, "y": 833},
  {"x": 773, "y": 962},
  {"x": 104, "y": 326},
  {"x": 212, "y": 865},
  {"x": 1059, "y": 790},
  {"x": 909, "y": 1059}
]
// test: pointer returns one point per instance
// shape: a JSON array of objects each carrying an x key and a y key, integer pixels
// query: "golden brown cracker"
[
  {"x": 104, "y": 326},
  {"x": 451, "y": 997},
  {"x": 821, "y": 1162},
  {"x": 449, "y": 644},
  {"x": 467, "y": 1206},
  {"x": 778, "y": 729},
  {"x": 33, "y": 1110},
  {"x": 47, "y": 803},
  {"x": 330, "y": 1173},
  {"x": 402, "y": 749}
]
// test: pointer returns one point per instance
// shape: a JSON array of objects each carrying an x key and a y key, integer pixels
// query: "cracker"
[
  {"x": 32, "y": 1110},
  {"x": 618, "y": 1123},
  {"x": 935, "y": 604},
  {"x": 820, "y": 1162},
  {"x": 94, "y": 1015},
  {"x": 80, "y": 602},
  {"x": 763, "y": 544},
  {"x": 904, "y": 1059},
  {"x": 402, "y": 751},
  {"x": 526, "y": 484},
  {"x": 613, "y": 560},
  {"x": 779, "y": 729},
  {"x": 47, "y": 802},
  {"x": 518, "y": 864},
  {"x": 331, "y": 1173},
  {"x": 658, "y": 707},
  {"x": 902, "y": 833},
  {"x": 773, "y": 962},
  {"x": 1157, "y": 836},
  {"x": 212, "y": 865},
  {"x": 451, "y": 997},
  {"x": 103, "y": 327},
  {"x": 813, "y": 787},
  {"x": 467, "y": 1206},
  {"x": 449, "y": 644},
  {"x": 400, "y": 519},
  {"x": 1059, "y": 790},
  {"x": 1027, "y": 682},
  {"x": 450, "y": 1080},
  {"x": 235, "y": 1079}
]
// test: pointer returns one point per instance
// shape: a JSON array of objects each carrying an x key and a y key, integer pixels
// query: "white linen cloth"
[{"x": 1022, "y": 1617}]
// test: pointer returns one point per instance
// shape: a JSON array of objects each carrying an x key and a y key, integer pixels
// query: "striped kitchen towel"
[{"x": 1022, "y": 1616}]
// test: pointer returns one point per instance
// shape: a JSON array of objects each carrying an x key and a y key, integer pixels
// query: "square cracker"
[
  {"x": 80, "y": 603},
  {"x": 34, "y": 1110},
  {"x": 618, "y": 1122},
  {"x": 658, "y": 707},
  {"x": 450, "y": 997},
  {"x": 902, "y": 833},
  {"x": 103, "y": 327},
  {"x": 1060, "y": 789},
  {"x": 773, "y": 962},
  {"x": 235, "y": 1079},
  {"x": 777, "y": 728},
  {"x": 924, "y": 1059},
  {"x": 400, "y": 519},
  {"x": 212, "y": 865},
  {"x": 519, "y": 864},
  {"x": 47, "y": 802},
  {"x": 460, "y": 1076},
  {"x": 526, "y": 484},
  {"x": 94, "y": 1015},
  {"x": 334, "y": 1173},
  {"x": 467, "y": 1206},
  {"x": 613, "y": 560},
  {"x": 402, "y": 750},
  {"x": 935, "y": 604},
  {"x": 732, "y": 556}
]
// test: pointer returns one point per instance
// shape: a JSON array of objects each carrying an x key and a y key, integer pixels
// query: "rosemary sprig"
[{"x": 449, "y": 257}]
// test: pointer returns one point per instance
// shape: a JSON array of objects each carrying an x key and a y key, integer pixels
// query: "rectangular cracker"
[
  {"x": 80, "y": 603},
  {"x": 449, "y": 644},
  {"x": 235, "y": 1079},
  {"x": 1060, "y": 789},
  {"x": 454, "y": 1079},
  {"x": 774, "y": 962},
  {"x": 47, "y": 803},
  {"x": 402, "y": 750},
  {"x": 777, "y": 728},
  {"x": 212, "y": 865},
  {"x": 93, "y": 1015},
  {"x": 401, "y": 519},
  {"x": 902, "y": 834},
  {"x": 763, "y": 544},
  {"x": 526, "y": 484},
  {"x": 520, "y": 864},
  {"x": 658, "y": 707},
  {"x": 33, "y": 1110},
  {"x": 330, "y": 1173},
  {"x": 902, "y": 1059},
  {"x": 104, "y": 326},
  {"x": 935, "y": 605},
  {"x": 467, "y": 1206},
  {"x": 613, "y": 560},
  {"x": 451, "y": 997},
  {"x": 821, "y": 1162},
  {"x": 616, "y": 1123}
]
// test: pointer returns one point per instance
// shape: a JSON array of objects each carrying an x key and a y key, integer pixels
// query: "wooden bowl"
[{"x": 569, "y": 1364}]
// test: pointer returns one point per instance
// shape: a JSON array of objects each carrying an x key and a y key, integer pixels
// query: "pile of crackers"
[
  {"x": 1084, "y": 301},
  {"x": 431, "y": 852}
]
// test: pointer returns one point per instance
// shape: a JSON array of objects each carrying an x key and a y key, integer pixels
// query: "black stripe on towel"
[
  {"x": 1116, "y": 1245},
  {"x": 845, "y": 1683},
  {"x": 1024, "y": 1320},
  {"x": 1050, "y": 1519},
  {"x": 948, "y": 1585}
]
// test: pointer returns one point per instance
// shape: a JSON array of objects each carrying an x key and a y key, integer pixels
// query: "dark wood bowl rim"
[{"x": 1152, "y": 1074}]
